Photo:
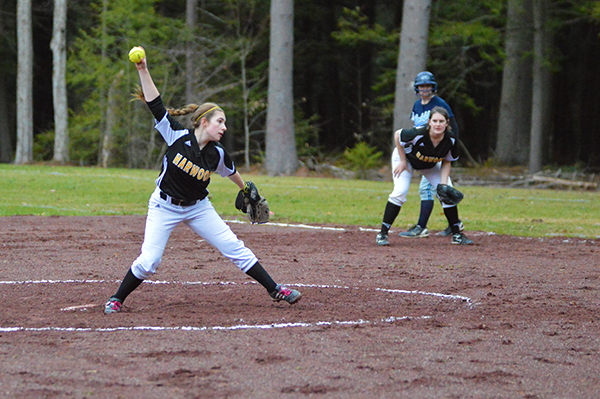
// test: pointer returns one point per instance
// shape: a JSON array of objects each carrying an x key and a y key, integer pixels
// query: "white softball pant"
[
  {"x": 202, "y": 218},
  {"x": 427, "y": 191},
  {"x": 402, "y": 182}
]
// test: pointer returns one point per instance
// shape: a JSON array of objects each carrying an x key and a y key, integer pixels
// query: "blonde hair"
[{"x": 198, "y": 112}]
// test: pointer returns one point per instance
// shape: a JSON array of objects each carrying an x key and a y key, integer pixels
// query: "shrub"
[{"x": 362, "y": 158}]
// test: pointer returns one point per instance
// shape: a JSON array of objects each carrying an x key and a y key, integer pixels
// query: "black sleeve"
[
  {"x": 157, "y": 108},
  {"x": 454, "y": 150},
  {"x": 158, "y": 111},
  {"x": 407, "y": 135}
]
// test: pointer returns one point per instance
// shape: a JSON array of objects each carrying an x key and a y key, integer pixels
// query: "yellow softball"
[{"x": 137, "y": 54}]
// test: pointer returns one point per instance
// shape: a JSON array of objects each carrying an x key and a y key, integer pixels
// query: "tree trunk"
[
  {"x": 281, "y": 155},
  {"x": 7, "y": 117},
  {"x": 190, "y": 51},
  {"x": 243, "y": 56},
  {"x": 24, "y": 83},
  {"x": 412, "y": 58},
  {"x": 59, "y": 82},
  {"x": 515, "y": 104},
  {"x": 6, "y": 150},
  {"x": 541, "y": 87},
  {"x": 103, "y": 95},
  {"x": 110, "y": 120}
]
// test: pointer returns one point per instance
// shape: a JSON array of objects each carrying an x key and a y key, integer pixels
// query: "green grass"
[{"x": 56, "y": 190}]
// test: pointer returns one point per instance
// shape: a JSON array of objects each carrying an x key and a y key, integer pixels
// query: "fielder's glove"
[
  {"x": 448, "y": 194},
  {"x": 252, "y": 204}
]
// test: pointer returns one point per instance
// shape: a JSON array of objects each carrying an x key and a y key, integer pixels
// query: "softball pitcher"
[{"x": 180, "y": 196}]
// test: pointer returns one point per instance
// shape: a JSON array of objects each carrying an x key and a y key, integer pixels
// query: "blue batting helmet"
[{"x": 425, "y": 78}]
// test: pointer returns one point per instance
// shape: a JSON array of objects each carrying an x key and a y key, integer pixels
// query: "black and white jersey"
[
  {"x": 186, "y": 169},
  {"x": 420, "y": 151}
]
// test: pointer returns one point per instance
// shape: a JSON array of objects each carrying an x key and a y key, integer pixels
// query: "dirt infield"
[{"x": 507, "y": 318}]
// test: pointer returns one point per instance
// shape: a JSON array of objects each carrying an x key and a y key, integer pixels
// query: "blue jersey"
[{"x": 420, "y": 112}]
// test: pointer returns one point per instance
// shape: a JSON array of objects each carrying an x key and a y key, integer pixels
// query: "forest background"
[{"x": 345, "y": 69}]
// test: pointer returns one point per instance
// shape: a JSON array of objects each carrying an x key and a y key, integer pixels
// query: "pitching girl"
[
  {"x": 181, "y": 194},
  {"x": 430, "y": 149}
]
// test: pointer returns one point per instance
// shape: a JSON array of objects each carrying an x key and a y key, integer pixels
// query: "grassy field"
[{"x": 56, "y": 190}]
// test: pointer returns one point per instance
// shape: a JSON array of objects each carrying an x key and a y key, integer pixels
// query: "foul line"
[
  {"x": 301, "y": 226},
  {"x": 359, "y": 228}
]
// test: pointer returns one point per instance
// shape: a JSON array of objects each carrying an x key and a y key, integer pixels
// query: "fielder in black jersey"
[
  {"x": 430, "y": 149},
  {"x": 181, "y": 194},
  {"x": 420, "y": 150},
  {"x": 426, "y": 86}
]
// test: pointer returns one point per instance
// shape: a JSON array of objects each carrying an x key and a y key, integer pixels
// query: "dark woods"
[{"x": 345, "y": 59}]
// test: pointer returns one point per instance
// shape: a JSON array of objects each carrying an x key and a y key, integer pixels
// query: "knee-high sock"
[
  {"x": 389, "y": 215},
  {"x": 129, "y": 283},
  {"x": 453, "y": 220},
  {"x": 426, "y": 209},
  {"x": 258, "y": 273}
]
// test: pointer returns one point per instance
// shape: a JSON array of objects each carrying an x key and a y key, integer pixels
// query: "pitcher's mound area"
[{"x": 507, "y": 318}]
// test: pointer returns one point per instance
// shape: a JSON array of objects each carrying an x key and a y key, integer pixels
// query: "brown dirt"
[{"x": 507, "y": 318}]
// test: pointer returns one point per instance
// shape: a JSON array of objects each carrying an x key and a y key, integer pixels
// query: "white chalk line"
[
  {"x": 301, "y": 226},
  {"x": 389, "y": 319},
  {"x": 80, "y": 307},
  {"x": 325, "y": 286},
  {"x": 118, "y": 281},
  {"x": 362, "y": 229},
  {"x": 376, "y": 230}
]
